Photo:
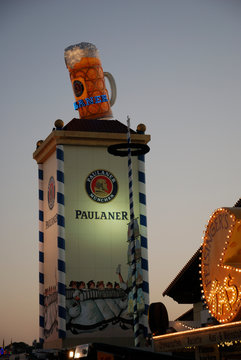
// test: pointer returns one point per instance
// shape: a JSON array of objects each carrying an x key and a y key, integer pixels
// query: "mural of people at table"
[
  {"x": 50, "y": 311},
  {"x": 98, "y": 306}
]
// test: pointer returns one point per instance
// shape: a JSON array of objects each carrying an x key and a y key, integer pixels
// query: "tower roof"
[
  {"x": 83, "y": 132},
  {"x": 106, "y": 126}
]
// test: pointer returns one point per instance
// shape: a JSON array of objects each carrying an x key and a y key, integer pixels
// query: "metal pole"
[
  {"x": 133, "y": 260},
  {"x": 144, "y": 241}
]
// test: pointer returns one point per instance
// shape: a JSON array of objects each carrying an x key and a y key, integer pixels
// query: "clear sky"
[{"x": 177, "y": 66}]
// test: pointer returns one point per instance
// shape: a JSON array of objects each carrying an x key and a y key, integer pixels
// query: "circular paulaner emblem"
[
  {"x": 51, "y": 192},
  {"x": 101, "y": 186},
  {"x": 78, "y": 88}
]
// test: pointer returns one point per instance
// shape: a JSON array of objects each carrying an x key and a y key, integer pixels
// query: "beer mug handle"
[{"x": 112, "y": 87}]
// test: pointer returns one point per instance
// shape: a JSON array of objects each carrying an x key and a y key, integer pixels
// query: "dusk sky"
[{"x": 177, "y": 67}]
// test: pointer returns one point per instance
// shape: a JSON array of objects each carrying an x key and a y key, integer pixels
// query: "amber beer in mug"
[{"x": 88, "y": 81}]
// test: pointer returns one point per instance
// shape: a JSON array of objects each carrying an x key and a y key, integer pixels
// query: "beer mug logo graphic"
[
  {"x": 101, "y": 186},
  {"x": 78, "y": 88},
  {"x": 88, "y": 82}
]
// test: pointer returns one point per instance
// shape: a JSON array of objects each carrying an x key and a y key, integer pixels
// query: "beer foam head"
[{"x": 74, "y": 53}]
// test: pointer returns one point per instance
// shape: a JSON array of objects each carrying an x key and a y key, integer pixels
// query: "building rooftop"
[
  {"x": 185, "y": 288},
  {"x": 83, "y": 132},
  {"x": 106, "y": 126}
]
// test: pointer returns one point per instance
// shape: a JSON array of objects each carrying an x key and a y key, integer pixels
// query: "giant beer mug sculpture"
[{"x": 88, "y": 81}]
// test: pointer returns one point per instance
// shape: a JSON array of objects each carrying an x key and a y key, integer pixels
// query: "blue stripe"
[
  {"x": 144, "y": 264},
  {"x": 41, "y": 256},
  {"x": 141, "y": 177},
  {"x": 61, "y": 243},
  {"x": 60, "y": 154},
  {"x": 61, "y": 288},
  {"x": 60, "y": 220},
  {"x": 60, "y": 198},
  {"x": 41, "y": 278},
  {"x": 145, "y": 287},
  {"x": 40, "y": 194},
  {"x": 141, "y": 158},
  {"x": 60, "y": 176},
  {"x": 40, "y": 174},
  {"x": 41, "y": 236},
  {"x": 62, "y": 334},
  {"x": 41, "y": 299},
  {"x": 143, "y": 220},
  {"x": 142, "y": 198},
  {"x": 41, "y": 340},
  {"x": 144, "y": 242},
  {"x": 62, "y": 312},
  {"x": 61, "y": 265},
  {"x": 41, "y": 215},
  {"x": 41, "y": 321}
]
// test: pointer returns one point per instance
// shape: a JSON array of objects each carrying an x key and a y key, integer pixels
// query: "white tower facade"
[{"x": 84, "y": 265}]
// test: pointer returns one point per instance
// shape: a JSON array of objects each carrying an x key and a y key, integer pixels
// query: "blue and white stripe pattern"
[
  {"x": 133, "y": 260},
  {"x": 144, "y": 243},
  {"x": 61, "y": 242},
  {"x": 41, "y": 253}
]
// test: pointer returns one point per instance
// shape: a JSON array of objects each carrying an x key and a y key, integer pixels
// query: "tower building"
[{"x": 84, "y": 249}]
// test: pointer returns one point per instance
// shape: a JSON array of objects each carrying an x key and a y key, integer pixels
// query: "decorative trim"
[
  {"x": 41, "y": 253},
  {"x": 83, "y": 138},
  {"x": 144, "y": 242},
  {"x": 61, "y": 242}
]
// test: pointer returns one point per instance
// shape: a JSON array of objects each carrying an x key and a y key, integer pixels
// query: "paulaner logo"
[
  {"x": 89, "y": 101},
  {"x": 51, "y": 192},
  {"x": 101, "y": 186}
]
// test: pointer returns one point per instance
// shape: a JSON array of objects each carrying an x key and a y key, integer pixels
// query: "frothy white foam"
[{"x": 74, "y": 53}]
